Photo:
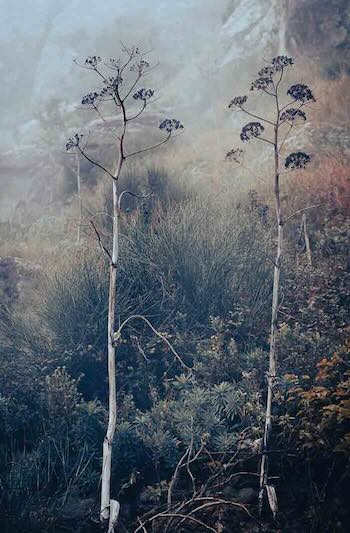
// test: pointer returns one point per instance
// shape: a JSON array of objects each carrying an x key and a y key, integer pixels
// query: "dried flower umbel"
[
  {"x": 143, "y": 94},
  {"x": 291, "y": 114},
  {"x": 261, "y": 84},
  {"x": 280, "y": 62},
  {"x": 297, "y": 160},
  {"x": 251, "y": 130},
  {"x": 74, "y": 141},
  {"x": 170, "y": 125},
  {"x": 140, "y": 67},
  {"x": 115, "y": 63},
  {"x": 234, "y": 155},
  {"x": 301, "y": 93},
  {"x": 277, "y": 64},
  {"x": 267, "y": 72},
  {"x": 92, "y": 61},
  {"x": 90, "y": 98},
  {"x": 238, "y": 101}
]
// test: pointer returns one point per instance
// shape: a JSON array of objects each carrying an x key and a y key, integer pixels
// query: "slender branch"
[
  {"x": 95, "y": 163},
  {"x": 140, "y": 349},
  {"x": 100, "y": 213},
  {"x": 279, "y": 81},
  {"x": 218, "y": 501},
  {"x": 256, "y": 116},
  {"x": 103, "y": 248},
  {"x": 265, "y": 140},
  {"x": 132, "y": 56},
  {"x": 288, "y": 171},
  {"x": 289, "y": 104},
  {"x": 129, "y": 119},
  {"x": 132, "y": 88},
  {"x": 82, "y": 66},
  {"x": 132, "y": 194},
  {"x": 117, "y": 103},
  {"x": 156, "y": 332},
  {"x": 215, "y": 502},
  {"x": 149, "y": 147},
  {"x": 142, "y": 525},
  {"x": 285, "y": 137},
  {"x": 303, "y": 209},
  {"x": 98, "y": 112},
  {"x": 232, "y": 476},
  {"x": 268, "y": 92},
  {"x": 175, "y": 475},
  {"x": 188, "y": 462}
]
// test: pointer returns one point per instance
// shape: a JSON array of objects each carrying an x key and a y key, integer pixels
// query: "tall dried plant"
[
  {"x": 121, "y": 79},
  {"x": 274, "y": 130}
]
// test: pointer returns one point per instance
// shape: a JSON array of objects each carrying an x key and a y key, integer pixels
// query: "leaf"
[{"x": 272, "y": 497}]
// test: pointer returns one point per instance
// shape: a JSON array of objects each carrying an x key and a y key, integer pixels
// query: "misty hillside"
[
  {"x": 174, "y": 266},
  {"x": 199, "y": 62}
]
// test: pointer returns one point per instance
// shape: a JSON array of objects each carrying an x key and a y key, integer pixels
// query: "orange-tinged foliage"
[
  {"x": 332, "y": 101},
  {"x": 322, "y": 407},
  {"x": 326, "y": 182}
]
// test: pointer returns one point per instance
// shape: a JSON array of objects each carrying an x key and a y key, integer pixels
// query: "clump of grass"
[{"x": 212, "y": 258}]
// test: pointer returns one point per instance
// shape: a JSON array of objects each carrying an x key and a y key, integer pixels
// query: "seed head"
[
  {"x": 251, "y": 130},
  {"x": 289, "y": 115},
  {"x": 301, "y": 92},
  {"x": 238, "y": 101},
  {"x": 297, "y": 160},
  {"x": 74, "y": 141},
  {"x": 234, "y": 155},
  {"x": 143, "y": 94},
  {"x": 170, "y": 125}
]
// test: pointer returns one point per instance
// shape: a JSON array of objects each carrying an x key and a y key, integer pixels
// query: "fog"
[
  {"x": 200, "y": 46},
  {"x": 205, "y": 52}
]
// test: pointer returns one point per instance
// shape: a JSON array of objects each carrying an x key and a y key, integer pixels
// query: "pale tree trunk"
[
  {"x": 307, "y": 241},
  {"x": 80, "y": 211},
  {"x": 110, "y": 507},
  {"x": 264, "y": 467},
  {"x": 106, "y": 511}
]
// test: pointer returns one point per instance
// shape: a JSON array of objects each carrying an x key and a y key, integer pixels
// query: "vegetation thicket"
[{"x": 192, "y": 388}]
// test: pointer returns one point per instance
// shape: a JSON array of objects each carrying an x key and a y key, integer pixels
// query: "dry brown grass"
[
  {"x": 333, "y": 102},
  {"x": 326, "y": 182}
]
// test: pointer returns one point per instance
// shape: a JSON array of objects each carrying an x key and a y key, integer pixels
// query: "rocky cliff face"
[
  {"x": 320, "y": 30},
  {"x": 253, "y": 28}
]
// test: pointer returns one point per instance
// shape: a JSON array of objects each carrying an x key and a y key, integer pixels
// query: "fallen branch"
[{"x": 175, "y": 515}]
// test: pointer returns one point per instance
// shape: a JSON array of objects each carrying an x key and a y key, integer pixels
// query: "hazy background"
[{"x": 207, "y": 51}]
